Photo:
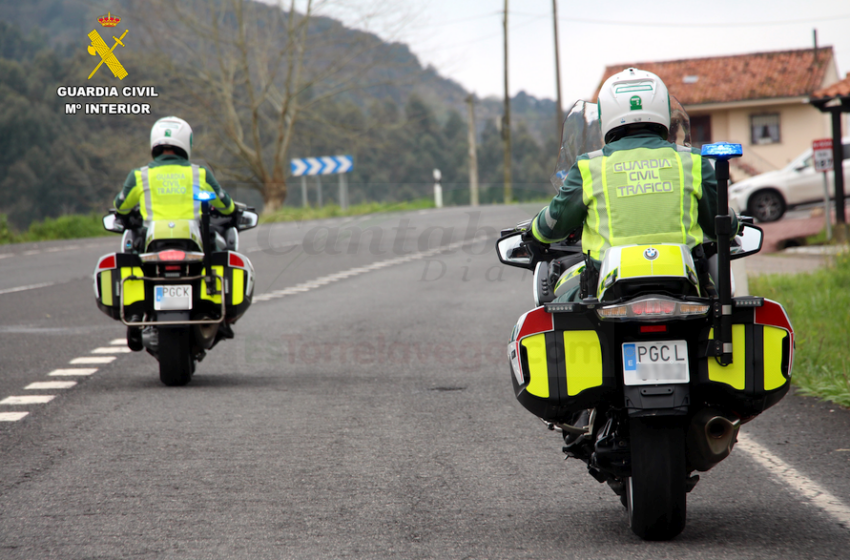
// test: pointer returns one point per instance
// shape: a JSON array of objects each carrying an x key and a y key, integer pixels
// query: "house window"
[
  {"x": 765, "y": 128},
  {"x": 700, "y": 130}
]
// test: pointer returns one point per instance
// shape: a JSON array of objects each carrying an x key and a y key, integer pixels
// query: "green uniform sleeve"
[
  {"x": 708, "y": 203},
  {"x": 565, "y": 213},
  {"x": 129, "y": 196},
  {"x": 222, "y": 201}
]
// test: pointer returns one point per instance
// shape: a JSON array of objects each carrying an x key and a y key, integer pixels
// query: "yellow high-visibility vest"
[{"x": 641, "y": 196}]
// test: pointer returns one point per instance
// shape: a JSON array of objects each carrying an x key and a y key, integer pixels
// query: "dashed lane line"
[
  {"x": 25, "y": 288},
  {"x": 118, "y": 341},
  {"x": 12, "y": 416},
  {"x": 40, "y": 385},
  {"x": 93, "y": 360},
  {"x": 805, "y": 487},
  {"x": 28, "y": 399},
  {"x": 111, "y": 350},
  {"x": 69, "y": 372}
]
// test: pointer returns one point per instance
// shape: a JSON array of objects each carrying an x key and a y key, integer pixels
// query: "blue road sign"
[{"x": 327, "y": 165}]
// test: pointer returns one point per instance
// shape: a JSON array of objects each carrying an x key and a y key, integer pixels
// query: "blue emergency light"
[
  {"x": 203, "y": 196},
  {"x": 722, "y": 150}
]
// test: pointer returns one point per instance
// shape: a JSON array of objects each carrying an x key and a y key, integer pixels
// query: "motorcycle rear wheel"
[
  {"x": 656, "y": 493},
  {"x": 175, "y": 356}
]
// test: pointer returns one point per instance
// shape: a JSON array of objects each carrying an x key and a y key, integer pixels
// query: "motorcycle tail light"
[
  {"x": 652, "y": 309},
  {"x": 171, "y": 255}
]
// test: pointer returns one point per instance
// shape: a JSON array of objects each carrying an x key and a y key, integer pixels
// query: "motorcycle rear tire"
[
  {"x": 175, "y": 356},
  {"x": 656, "y": 493}
]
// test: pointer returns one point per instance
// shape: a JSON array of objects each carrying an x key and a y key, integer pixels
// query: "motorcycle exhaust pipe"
[{"x": 711, "y": 437}]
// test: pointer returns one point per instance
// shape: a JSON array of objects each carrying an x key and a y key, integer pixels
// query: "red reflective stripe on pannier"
[{"x": 536, "y": 321}]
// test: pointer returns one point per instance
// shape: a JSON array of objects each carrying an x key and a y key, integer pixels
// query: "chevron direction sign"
[{"x": 327, "y": 165}]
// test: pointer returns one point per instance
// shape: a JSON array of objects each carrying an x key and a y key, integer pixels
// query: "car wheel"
[{"x": 766, "y": 206}]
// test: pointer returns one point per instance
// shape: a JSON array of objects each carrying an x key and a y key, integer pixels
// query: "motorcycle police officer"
[
  {"x": 639, "y": 188},
  {"x": 164, "y": 188}
]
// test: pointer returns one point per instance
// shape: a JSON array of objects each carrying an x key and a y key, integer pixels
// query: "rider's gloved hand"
[{"x": 529, "y": 239}]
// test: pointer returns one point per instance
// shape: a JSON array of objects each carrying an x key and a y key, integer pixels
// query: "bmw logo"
[
  {"x": 171, "y": 224},
  {"x": 651, "y": 254}
]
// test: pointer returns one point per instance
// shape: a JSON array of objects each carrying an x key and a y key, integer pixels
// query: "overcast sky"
[{"x": 463, "y": 38}]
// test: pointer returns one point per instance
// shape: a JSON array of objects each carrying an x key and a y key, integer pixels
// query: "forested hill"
[{"x": 400, "y": 119}]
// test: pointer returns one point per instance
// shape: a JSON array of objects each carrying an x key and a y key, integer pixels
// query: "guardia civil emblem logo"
[{"x": 98, "y": 47}]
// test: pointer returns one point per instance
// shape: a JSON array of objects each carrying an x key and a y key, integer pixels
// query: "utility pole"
[
  {"x": 560, "y": 111},
  {"x": 506, "y": 120},
  {"x": 473, "y": 154}
]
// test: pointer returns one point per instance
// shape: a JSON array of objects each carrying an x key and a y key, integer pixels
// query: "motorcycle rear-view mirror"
[
  {"x": 513, "y": 252},
  {"x": 748, "y": 242},
  {"x": 111, "y": 223},
  {"x": 247, "y": 220}
]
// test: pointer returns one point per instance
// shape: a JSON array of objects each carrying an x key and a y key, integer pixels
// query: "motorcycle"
[
  {"x": 650, "y": 372},
  {"x": 178, "y": 285}
]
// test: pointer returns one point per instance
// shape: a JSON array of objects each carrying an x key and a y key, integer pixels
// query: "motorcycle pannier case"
[
  {"x": 557, "y": 371},
  {"x": 762, "y": 356},
  {"x": 234, "y": 268}
]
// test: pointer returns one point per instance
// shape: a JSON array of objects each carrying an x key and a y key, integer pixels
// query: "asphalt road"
[{"x": 366, "y": 414}]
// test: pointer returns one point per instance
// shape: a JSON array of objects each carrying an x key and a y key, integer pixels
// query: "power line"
[
  {"x": 491, "y": 35},
  {"x": 459, "y": 20},
  {"x": 692, "y": 24}
]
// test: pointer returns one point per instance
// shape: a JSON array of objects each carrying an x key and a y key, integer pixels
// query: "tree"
[{"x": 252, "y": 71}]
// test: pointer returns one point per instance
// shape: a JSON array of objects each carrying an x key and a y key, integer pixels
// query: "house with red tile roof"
[{"x": 759, "y": 100}]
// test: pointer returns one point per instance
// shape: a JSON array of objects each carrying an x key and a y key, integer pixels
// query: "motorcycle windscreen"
[{"x": 582, "y": 133}]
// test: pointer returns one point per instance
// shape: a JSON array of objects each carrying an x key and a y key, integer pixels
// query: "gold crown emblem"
[{"x": 108, "y": 20}]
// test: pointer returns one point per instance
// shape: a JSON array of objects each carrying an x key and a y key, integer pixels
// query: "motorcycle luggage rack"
[{"x": 170, "y": 323}]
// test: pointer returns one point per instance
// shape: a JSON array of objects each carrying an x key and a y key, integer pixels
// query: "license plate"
[
  {"x": 172, "y": 297},
  {"x": 660, "y": 361}
]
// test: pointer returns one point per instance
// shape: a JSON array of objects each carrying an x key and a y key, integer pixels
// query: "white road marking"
[
  {"x": 28, "y": 399},
  {"x": 51, "y": 385},
  {"x": 69, "y": 372},
  {"x": 111, "y": 350},
  {"x": 808, "y": 489},
  {"x": 93, "y": 360},
  {"x": 330, "y": 278},
  {"x": 118, "y": 341},
  {"x": 24, "y": 288},
  {"x": 12, "y": 416}
]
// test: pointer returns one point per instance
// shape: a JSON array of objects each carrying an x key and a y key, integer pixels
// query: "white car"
[{"x": 766, "y": 197}]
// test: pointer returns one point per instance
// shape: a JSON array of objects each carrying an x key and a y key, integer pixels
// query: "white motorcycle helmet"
[
  {"x": 633, "y": 97},
  {"x": 172, "y": 132}
]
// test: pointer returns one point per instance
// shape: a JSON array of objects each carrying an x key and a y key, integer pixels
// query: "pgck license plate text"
[{"x": 172, "y": 297}]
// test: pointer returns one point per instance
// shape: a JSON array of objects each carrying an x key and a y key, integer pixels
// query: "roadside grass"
[
  {"x": 64, "y": 227},
  {"x": 818, "y": 304},
  {"x": 296, "y": 214}
]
